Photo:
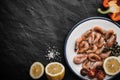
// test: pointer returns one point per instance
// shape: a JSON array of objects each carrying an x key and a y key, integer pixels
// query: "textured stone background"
[{"x": 29, "y": 27}]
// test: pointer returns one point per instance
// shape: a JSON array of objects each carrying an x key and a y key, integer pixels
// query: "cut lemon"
[
  {"x": 111, "y": 65},
  {"x": 36, "y": 70},
  {"x": 55, "y": 71}
]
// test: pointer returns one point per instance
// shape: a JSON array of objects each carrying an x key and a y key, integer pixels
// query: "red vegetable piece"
[
  {"x": 100, "y": 75},
  {"x": 92, "y": 73}
]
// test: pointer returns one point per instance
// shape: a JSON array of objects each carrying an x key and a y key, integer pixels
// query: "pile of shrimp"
[{"x": 89, "y": 47}]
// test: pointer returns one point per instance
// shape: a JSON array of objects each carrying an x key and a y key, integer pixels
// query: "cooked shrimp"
[
  {"x": 99, "y": 50},
  {"x": 93, "y": 57},
  {"x": 92, "y": 48},
  {"x": 100, "y": 42},
  {"x": 96, "y": 36},
  {"x": 108, "y": 34},
  {"x": 99, "y": 30},
  {"x": 77, "y": 44},
  {"x": 86, "y": 35},
  {"x": 90, "y": 40},
  {"x": 105, "y": 55},
  {"x": 79, "y": 58},
  {"x": 95, "y": 64},
  {"x": 83, "y": 46},
  {"x": 112, "y": 40},
  {"x": 86, "y": 64}
]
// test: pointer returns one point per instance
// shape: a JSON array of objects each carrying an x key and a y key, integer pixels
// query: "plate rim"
[{"x": 80, "y": 22}]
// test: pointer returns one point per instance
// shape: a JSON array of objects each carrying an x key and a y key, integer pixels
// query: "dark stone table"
[{"x": 29, "y": 29}]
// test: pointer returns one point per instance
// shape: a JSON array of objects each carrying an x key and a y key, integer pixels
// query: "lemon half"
[
  {"x": 36, "y": 70},
  {"x": 111, "y": 65},
  {"x": 55, "y": 71}
]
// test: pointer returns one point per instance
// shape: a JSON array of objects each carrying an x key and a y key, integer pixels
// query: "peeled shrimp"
[
  {"x": 105, "y": 55},
  {"x": 79, "y": 58},
  {"x": 94, "y": 57},
  {"x": 83, "y": 46}
]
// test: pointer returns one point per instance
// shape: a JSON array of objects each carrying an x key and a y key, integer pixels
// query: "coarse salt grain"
[{"x": 53, "y": 54}]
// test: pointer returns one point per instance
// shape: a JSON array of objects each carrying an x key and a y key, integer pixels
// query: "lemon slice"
[
  {"x": 36, "y": 70},
  {"x": 55, "y": 71},
  {"x": 111, "y": 65}
]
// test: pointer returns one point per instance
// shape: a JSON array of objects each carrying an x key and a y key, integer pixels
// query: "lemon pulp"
[
  {"x": 55, "y": 71},
  {"x": 55, "y": 68},
  {"x": 36, "y": 70},
  {"x": 112, "y": 65}
]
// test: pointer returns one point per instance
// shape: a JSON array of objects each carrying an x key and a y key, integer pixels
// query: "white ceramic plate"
[{"x": 77, "y": 31}]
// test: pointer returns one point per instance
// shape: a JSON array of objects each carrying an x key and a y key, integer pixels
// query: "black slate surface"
[{"x": 29, "y": 27}]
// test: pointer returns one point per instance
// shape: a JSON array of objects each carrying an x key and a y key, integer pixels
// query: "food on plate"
[
  {"x": 113, "y": 9},
  {"x": 92, "y": 73},
  {"x": 93, "y": 40},
  {"x": 94, "y": 57},
  {"x": 119, "y": 57},
  {"x": 99, "y": 68},
  {"x": 84, "y": 46},
  {"x": 83, "y": 72},
  {"x": 80, "y": 58},
  {"x": 36, "y": 70},
  {"x": 115, "y": 49},
  {"x": 96, "y": 64},
  {"x": 55, "y": 71},
  {"x": 100, "y": 75},
  {"x": 105, "y": 55},
  {"x": 93, "y": 48},
  {"x": 111, "y": 65},
  {"x": 86, "y": 65},
  {"x": 110, "y": 37}
]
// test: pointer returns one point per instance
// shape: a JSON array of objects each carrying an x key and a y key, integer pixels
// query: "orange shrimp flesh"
[
  {"x": 83, "y": 46},
  {"x": 79, "y": 58}
]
